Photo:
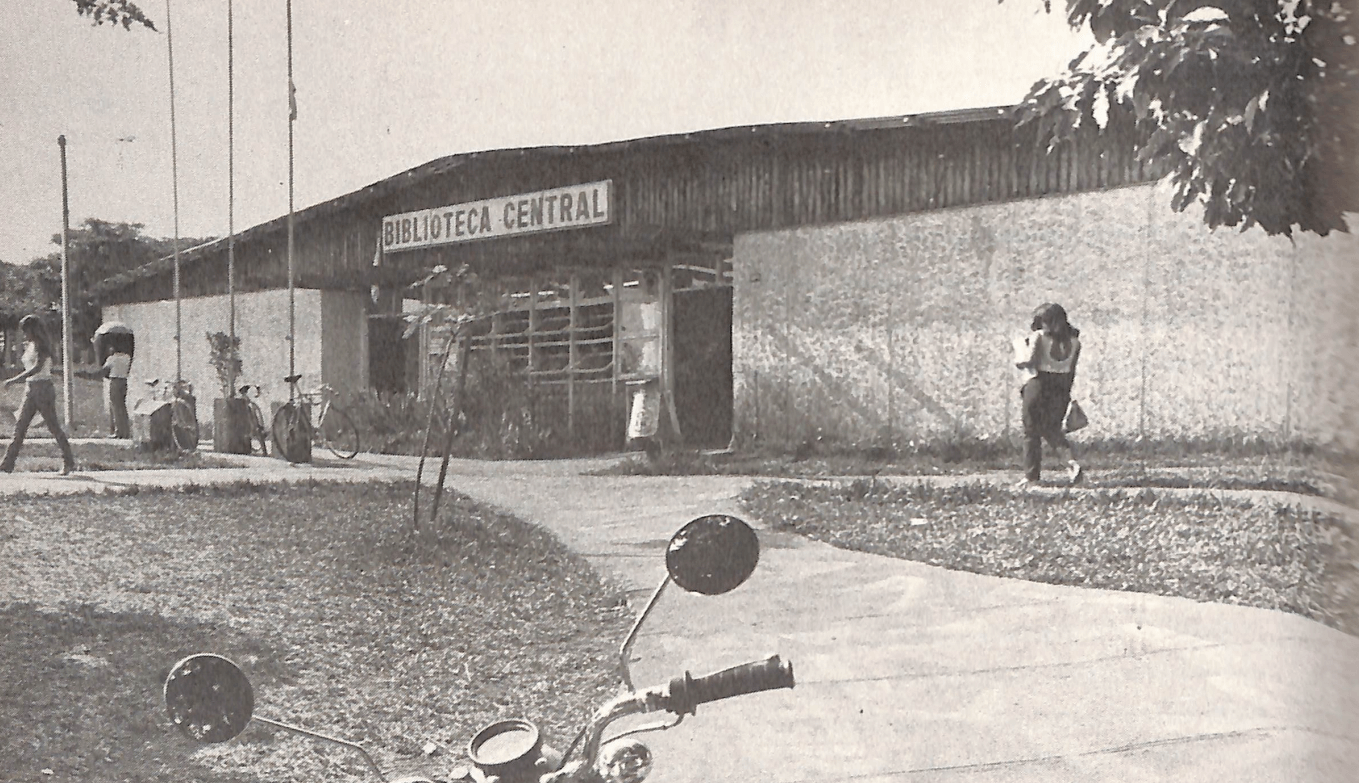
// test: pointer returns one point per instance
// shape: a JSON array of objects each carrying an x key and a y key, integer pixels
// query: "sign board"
[{"x": 573, "y": 206}]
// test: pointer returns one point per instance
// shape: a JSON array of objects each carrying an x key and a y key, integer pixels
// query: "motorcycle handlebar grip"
[{"x": 688, "y": 692}]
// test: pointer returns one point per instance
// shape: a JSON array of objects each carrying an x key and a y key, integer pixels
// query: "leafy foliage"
[
  {"x": 505, "y": 416},
  {"x": 115, "y": 12},
  {"x": 97, "y": 250},
  {"x": 459, "y": 303},
  {"x": 395, "y": 422},
  {"x": 1248, "y": 104},
  {"x": 501, "y": 417},
  {"x": 21, "y": 293},
  {"x": 224, "y": 354}
]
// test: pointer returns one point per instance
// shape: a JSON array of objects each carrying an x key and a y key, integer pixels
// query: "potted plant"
[{"x": 230, "y": 413}]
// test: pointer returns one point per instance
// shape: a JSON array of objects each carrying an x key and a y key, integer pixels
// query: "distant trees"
[
  {"x": 96, "y": 250},
  {"x": 1250, "y": 104},
  {"x": 21, "y": 293}
]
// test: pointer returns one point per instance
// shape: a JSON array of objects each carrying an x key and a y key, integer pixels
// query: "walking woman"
[
  {"x": 1047, "y": 359},
  {"x": 40, "y": 395}
]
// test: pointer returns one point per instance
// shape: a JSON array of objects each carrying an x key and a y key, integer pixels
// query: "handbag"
[{"x": 1075, "y": 418}]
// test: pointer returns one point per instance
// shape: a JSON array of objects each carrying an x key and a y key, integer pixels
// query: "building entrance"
[{"x": 702, "y": 355}]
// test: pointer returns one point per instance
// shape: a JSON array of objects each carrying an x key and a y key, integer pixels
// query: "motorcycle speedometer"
[{"x": 506, "y": 747}]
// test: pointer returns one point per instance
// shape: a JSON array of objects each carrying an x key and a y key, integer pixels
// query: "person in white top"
[
  {"x": 40, "y": 395},
  {"x": 115, "y": 370},
  {"x": 1047, "y": 358}
]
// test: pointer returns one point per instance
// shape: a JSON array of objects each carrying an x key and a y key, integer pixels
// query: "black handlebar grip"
[{"x": 686, "y": 692}]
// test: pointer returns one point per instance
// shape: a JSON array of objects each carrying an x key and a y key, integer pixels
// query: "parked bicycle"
[
  {"x": 318, "y": 417},
  {"x": 183, "y": 419},
  {"x": 259, "y": 436}
]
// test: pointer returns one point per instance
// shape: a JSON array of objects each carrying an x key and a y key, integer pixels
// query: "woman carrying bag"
[{"x": 1047, "y": 359}]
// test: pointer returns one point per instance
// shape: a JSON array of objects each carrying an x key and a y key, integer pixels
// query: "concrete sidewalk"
[{"x": 910, "y": 672}]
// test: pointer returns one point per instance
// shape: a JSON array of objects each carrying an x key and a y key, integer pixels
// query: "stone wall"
[{"x": 884, "y": 332}]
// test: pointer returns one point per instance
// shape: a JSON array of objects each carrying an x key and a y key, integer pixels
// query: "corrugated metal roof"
[{"x": 440, "y": 166}]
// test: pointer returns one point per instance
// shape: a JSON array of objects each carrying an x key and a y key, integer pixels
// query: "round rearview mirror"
[
  {"x": 209, "y": 698},
  {"x": 713, "y": 554}
]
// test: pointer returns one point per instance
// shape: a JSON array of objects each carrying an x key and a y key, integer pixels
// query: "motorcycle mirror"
[
  {"x": 209, "y": 698},
  {"x": 712, "y": 554}
]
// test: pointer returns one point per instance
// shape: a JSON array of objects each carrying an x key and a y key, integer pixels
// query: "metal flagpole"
[
  {"x": 231, "y": 186},
  {"x": 67, "y": 362},
  {"x": 292, "y": 116},
  {"x": 174, "y": 177}
]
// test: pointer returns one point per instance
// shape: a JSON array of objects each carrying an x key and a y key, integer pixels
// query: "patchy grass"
[
  {"x": 44, "y": 457},
  {"x": 87, "y": 405},
  {"x": 344, "y": 622},
  {"x": 1211, "y": 464},
  {"x": 1202, "y": 548}
]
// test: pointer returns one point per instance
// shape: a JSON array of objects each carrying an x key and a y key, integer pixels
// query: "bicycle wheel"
[
  {"x": 290, "y": 424},
  {"x": 338, "y": 433},
  {"x": 258, "y": 435},
  {"x": 183, "y": 425}
]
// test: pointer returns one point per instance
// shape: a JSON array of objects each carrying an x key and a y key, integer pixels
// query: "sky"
[{"x": 386, "y": 86}]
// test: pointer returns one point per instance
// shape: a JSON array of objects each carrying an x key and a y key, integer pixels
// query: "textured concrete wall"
[
  {"x": 261, "y": 323},
  {"x": 884, "y": 332}
]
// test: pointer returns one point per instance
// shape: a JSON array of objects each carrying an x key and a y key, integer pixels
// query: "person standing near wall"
[
  {"x": 1046, "y": 358},
  {"x": 40, "y": 395},
  {"x": 114, "y": 353}
]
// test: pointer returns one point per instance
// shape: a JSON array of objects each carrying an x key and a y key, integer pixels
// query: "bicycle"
[
  {"x": 259, "y": 436},
  {"x": 318, "y": 417},
  {"x": 183, "y": 419}
]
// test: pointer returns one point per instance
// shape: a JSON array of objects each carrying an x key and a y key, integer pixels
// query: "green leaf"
[{"x": 1252, "y": 108}]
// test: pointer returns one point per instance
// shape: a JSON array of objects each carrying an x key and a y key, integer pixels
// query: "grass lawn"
[
  {"x": 87, "y": 406},
  {"x": 46, "y": 458},
  {"x": 1108, "y": 464},
  {"x": 343, "y": 623},
  {"x": 1201, "y": 547}
]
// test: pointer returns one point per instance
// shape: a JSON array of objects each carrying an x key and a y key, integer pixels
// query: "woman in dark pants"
[
  {"x": 40, "y": 395},
  {"x": 1047, "y": 358}
]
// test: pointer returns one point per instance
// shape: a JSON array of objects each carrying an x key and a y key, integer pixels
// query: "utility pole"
[
  {"x": 67, "y": 361},
  {"x": 292, "y": 117},
  {"x": 174, "y": 177},
  {"x": 231, "y": 185}
]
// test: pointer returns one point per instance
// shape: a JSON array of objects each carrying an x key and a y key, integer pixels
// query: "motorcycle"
[{"x": 211, "y": 699}]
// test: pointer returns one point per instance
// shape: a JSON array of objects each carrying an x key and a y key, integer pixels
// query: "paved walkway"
[{"x": 908, "y": 672}]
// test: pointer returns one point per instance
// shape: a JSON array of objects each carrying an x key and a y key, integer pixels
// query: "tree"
[
  {"x": 1248, "y": 104},
  {"x": 95, "y": 251},
  {"x": 21, "y": 294},
  {"x": 116, "y": 12}
]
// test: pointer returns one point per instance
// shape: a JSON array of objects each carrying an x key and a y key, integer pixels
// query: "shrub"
[
  {"x": 224, "y": 354},
  {"x": 503, "y": 417}
]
